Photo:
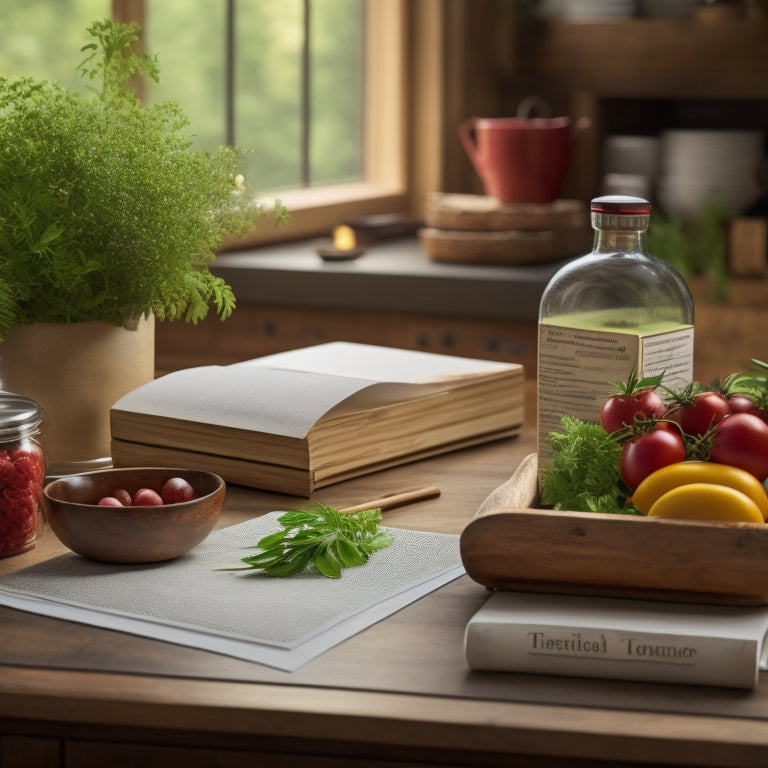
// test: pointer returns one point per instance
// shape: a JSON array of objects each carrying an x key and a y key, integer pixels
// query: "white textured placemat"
[{"x": 279, "y": 622}]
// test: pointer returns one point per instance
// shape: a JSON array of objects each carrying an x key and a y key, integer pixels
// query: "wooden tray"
[{"x": 512, "y": 545}]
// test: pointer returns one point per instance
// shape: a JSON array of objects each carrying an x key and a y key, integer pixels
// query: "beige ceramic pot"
[{"x": 75, "y": 372}]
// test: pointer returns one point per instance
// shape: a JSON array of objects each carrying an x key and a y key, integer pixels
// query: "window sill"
[
  {"x": 392, "y": 276},
  {"x": 315, "y": 212}
]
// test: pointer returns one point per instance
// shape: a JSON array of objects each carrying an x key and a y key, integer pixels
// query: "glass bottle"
[
  {"x": 22, "y": 473},
  {"x": 604, "y": 315}
]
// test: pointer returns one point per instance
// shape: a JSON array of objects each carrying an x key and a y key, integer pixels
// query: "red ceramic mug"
[{"x": 520, "y": 160}]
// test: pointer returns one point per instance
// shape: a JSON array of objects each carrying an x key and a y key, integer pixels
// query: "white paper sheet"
[{"x": 282, "y": 623}]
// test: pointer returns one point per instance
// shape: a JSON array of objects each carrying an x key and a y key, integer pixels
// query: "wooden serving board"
[
  {"x": 512, "y": 545},
  {"x": 503, "y": 248},
  {"x": 479, "y": 213}
]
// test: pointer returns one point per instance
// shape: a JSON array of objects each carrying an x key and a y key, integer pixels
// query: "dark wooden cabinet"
[{"x": 639, "y": 76}]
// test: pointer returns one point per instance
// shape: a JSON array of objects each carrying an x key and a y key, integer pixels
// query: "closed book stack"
[
  {"x": 622, "y": 639},
  {"x": 303, "y": 419},
  {"x": 477, "y": 229}
]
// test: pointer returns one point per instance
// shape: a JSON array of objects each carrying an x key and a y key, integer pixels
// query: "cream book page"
[
  {"x": 286, "y": 394},
  {"x": 379, "y": 364},
  {"x": 392, "y": 375}
]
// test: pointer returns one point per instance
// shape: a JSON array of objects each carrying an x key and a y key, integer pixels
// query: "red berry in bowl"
[
  {"x": 110, "y": 501},
  {"x": 146, "y": 497},
  {"x": 176, "y": 490}
]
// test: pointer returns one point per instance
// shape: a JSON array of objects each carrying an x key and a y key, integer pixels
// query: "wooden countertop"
[{"x": 398, "y": 693}]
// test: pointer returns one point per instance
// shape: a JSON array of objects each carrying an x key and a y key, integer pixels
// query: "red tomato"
[
  {"x": 146, "y": 497},
  {"x": 706, "y": 410},
  {"x": 649, "y": 452},
  {"x": 743, "y": 404},
  {"x": 741, "y": 440},
  {"x": 619, "y": 411},
  {"x": 176, "y": 490}
]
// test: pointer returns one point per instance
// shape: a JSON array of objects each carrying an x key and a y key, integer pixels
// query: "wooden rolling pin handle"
[{"x": 395, "y": 500}]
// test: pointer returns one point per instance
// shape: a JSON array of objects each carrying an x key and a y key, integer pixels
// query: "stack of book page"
[{"x": 307, "y": 418}]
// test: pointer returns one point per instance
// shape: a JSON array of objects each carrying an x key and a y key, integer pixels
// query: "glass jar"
[{"x": 22, "y": 473}]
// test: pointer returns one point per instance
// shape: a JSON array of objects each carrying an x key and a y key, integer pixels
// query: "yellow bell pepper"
[
  {"x": 684, "y": 472},
  {"x": 707, "y": 501}
]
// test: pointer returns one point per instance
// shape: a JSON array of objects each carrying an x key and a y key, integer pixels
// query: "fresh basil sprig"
[{"x": 324, "y": 538}]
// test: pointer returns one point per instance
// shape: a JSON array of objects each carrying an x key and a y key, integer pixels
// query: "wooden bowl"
[{"x": 131, "y": 534}]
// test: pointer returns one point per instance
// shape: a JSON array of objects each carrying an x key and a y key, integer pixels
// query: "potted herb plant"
[{"x": 108, "y": 219}]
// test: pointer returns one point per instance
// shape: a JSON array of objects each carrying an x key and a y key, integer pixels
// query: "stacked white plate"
[
  {"x": 699, "y": 165},
  {"x": 631, "y": 154},
  {"x": 630, "y": 165}
]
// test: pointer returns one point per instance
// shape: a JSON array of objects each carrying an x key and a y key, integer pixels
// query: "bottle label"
[{"x": 576, "y": 366}]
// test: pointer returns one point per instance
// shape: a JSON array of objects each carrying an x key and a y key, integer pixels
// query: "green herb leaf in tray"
[{"x": 584, "y": 475}]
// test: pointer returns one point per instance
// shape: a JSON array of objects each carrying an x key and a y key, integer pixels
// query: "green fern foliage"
[{"x": 106, "y": 213}]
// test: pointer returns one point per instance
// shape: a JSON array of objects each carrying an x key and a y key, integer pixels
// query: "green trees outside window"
[{"x": 292, "y": 91}]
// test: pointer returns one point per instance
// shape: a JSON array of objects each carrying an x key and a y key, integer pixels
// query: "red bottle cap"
[{"x": 621, "y": 204}]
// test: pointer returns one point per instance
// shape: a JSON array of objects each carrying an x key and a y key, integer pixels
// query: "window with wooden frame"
[
  {"x": 369, "y": 46},
  {"x": 378, "y": 145}
]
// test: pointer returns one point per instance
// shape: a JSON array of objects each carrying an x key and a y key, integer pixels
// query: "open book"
[
  {"x": 623, "y": 639},
  {"x": 299, "y": 420}
]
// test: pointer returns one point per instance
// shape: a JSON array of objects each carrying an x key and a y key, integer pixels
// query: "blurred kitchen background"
[{"x": 676, "y": 92}]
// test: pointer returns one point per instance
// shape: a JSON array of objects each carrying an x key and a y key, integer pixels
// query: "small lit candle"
[
  {"x": 344, "y": 245},
  {"x": 344, "y": 238}
]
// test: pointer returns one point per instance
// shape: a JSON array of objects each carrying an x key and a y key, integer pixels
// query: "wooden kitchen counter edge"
[
  {"x": 142, "y": 702},
  {"x": 104, "y": 708}
]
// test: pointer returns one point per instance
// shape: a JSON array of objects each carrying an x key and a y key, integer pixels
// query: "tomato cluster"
[{"x": 725, "y": 423}]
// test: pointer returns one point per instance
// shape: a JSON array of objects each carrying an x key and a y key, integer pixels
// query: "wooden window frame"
[{"x": 403, "y": 135}]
